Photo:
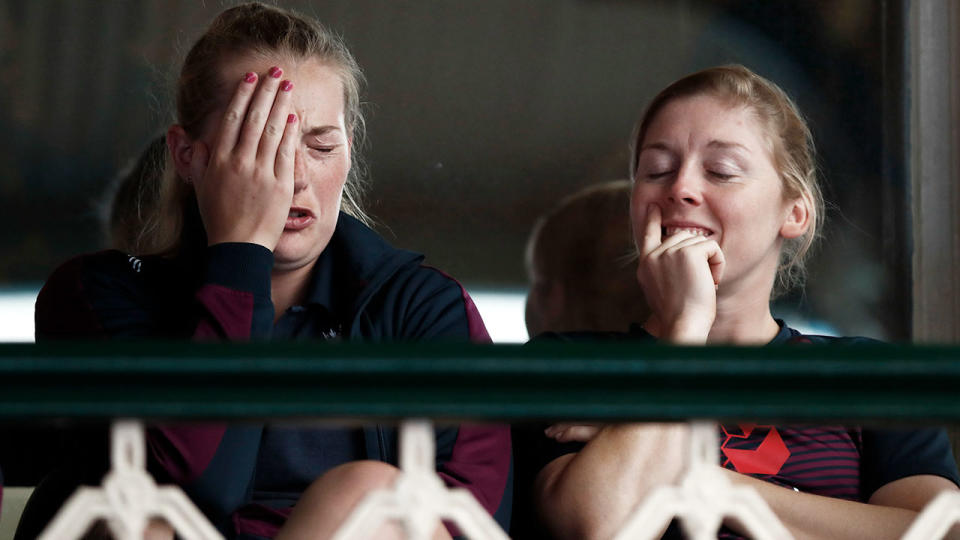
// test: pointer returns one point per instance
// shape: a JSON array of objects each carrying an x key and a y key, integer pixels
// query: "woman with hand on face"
[
  {"x": 725, "y": 206},
  {"x": 259, "y": 236}
]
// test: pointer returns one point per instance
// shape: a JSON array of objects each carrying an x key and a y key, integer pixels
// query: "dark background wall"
[{"x": 481, "y": 115}]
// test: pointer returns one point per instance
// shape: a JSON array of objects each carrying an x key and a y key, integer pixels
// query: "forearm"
[
  {"x": 811, "y": 517},
  {"x": 234, "y": 298},
  {"x": 591, "y": 493}
]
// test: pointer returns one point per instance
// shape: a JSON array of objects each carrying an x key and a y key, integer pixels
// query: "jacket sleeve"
[
  {"x": 476, "y": 457},
  {"x": 109, "y": 296}
]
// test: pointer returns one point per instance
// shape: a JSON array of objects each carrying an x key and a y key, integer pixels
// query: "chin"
[
  {"x": 292, "y": 253},
  {"x": 284, "y": 262}
]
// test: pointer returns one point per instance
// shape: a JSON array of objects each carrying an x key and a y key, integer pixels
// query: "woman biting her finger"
[{"x": 725, "y": 207}]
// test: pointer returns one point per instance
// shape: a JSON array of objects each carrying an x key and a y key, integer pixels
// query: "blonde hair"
[
  {"x": 248, "y": 29},
  {"x": 132, "y": 197},
  {"x": 792, "y": 149}
]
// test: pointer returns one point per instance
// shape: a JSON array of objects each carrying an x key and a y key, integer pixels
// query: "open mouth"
[
  {"x": 298, "y": 212},
  {"x": 695, "y": 231},
  {"x": 298, "y": 218}
]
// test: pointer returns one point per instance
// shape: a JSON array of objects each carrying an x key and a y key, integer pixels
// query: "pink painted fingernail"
[
  {"x": 291, "y": 118},
  {"x": 250, "y": 77},
  {"x": 275, "y": 72},
  {"x": 286, "y": 86}
]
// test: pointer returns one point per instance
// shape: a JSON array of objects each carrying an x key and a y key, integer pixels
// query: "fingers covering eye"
[
  {"x": 235, "y": 113},
  {"x": 276, "y": 122},
  {"x": 283, "y": 166}
]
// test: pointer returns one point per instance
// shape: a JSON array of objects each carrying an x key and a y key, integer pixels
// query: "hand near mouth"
[
  {"x": 679, "y": 275},
  {"x": 244, "y": 186}
]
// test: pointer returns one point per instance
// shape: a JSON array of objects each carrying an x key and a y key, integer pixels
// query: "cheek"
[
  {"x": 329, "y": 188},
  {"x": 762, "y": 209},
  {"x": 639, "y": 199},
  {"x": 328, "y": 177},
  {"x": 645, "y": 192},
  {"x": 338, "y": 179}
]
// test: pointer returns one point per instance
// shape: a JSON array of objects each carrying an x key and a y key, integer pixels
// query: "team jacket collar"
[{"x": 355, "y": 264}]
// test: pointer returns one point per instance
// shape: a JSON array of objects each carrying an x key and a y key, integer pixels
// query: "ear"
[
  {"x": 181, "y": 148},
  {"x": 798, "y": 219}
]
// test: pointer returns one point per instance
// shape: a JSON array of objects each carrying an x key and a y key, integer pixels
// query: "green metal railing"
[{"x": 874, "y": 383}]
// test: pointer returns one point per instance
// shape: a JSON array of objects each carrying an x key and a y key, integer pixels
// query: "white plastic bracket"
[
  {"x": 937, "y": 517},
  {"x": 703, "y": 499},
  {"x": 128, "y": 497},
  {"x": 418, "y": 499}
]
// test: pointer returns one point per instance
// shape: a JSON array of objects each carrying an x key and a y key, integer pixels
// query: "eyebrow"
[
  {"x": 321, "y": 130},
  {"x": 654, "y": 146},
  {"x": 727, "y": 145},
  {"x": 724, "y": 145}
]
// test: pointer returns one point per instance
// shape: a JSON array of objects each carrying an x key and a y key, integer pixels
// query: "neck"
[
  {"x": 288, "y": 288},
  {"x": 743, "y": 308},
  {"x": 743, "y": 312},
  {"x": 743, "y": 324},
  {"x": 737, "y": 325}
]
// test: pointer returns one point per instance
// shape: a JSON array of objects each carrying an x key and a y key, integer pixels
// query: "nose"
[
  {"x": 685, "y": 188},
  {"x": 299, "y": 172}
]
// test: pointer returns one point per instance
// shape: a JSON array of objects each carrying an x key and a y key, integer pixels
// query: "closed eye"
[
  {"x": 658, "y": 175},
  {"x": 720, "y": 175},
  {"x": 323, "y": 149}
]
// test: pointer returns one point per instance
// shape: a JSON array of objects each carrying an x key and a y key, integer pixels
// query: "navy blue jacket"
[{"x": 362, "y": 289}]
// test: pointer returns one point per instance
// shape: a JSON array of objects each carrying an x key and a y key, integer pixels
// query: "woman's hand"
[
  {"x": 562, "y": 432},
  {"x": 244, "y": 184},
  {"x": 679, "y": 275}
]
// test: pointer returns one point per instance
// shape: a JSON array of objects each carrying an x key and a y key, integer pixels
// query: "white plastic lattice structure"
[
  {"x": 128, "y": 497},
  {"x": 937, "y": 517},
  {"x": 703, "y": 499},
  {"x": 419, "y": 499}
]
